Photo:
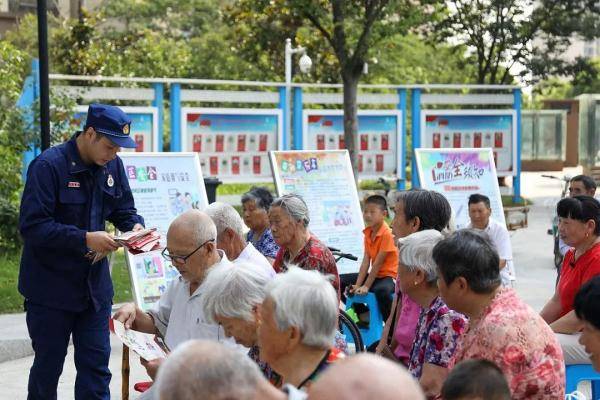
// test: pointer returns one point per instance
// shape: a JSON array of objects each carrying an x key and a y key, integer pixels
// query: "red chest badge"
[{"x": 74, "y": 184}]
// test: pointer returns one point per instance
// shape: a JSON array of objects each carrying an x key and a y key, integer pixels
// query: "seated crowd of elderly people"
[{"x": 255, "y": 316}]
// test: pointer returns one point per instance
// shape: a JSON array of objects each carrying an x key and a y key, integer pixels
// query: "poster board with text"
[
  {"x": 164, "y": 185},
  {"x": 458, "y": 173},
  {"x": 325, "y": 181}
]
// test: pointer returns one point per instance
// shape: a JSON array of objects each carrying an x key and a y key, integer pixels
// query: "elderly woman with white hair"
[
  {"x": 439, "y": 328},
  {"x": 297, "y": 324},
  {"x": 289, "y": 221},
  {"x": 230, "y": 298}
]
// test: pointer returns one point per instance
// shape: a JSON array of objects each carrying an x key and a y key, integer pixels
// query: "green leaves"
[{"x": 518, "y": 38}]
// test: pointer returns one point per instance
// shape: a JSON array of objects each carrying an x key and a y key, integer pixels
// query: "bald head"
[
  {"x": 365, "y": 377},
  {"x": 192, "y": 227},
  {"x": 201, "y": 369},
  {"x": 191, "y": 237}
]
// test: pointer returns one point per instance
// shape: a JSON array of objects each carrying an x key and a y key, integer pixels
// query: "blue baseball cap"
[{"x": 112, "y": 122}]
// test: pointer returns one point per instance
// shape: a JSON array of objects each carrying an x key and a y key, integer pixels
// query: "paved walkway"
[{"x": 532, "y": 252}]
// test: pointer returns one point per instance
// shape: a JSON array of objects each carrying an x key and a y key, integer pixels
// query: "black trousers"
[{"x": 382, "y": 288}]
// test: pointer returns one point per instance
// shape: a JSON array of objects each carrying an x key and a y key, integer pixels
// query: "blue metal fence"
[{"x": 295, "y": 132}]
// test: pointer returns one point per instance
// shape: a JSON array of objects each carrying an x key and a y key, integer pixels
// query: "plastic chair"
[
  {"x": 373, "y": 333},
  {"x": 582, "y": 372}
]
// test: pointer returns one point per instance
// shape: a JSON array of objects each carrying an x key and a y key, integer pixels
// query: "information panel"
[
  {"x": 459, "y": 173},
  {"x": 380, "y": 139},
  {"x": 144, "y": 126},
  {"x": 233, "y": 143},
  {"x": 496, "y": 129},
  {"x": 326, "y": 182},
  {"x": 164, "y": 185}
]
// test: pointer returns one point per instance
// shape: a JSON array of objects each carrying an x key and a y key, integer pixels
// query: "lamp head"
[{"x": 305, "y": 63}]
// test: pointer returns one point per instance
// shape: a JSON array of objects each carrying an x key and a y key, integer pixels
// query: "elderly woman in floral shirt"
[
  {"x": 502, "y": 328},
  {"x": 439, "y": 328},
  {"x": 289, "y": 220}
]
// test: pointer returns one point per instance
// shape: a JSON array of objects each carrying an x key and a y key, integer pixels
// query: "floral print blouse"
[
  {"x": 313, "y": 256},
  {"x": 514, "y": 337},
  {"x": 437, "y": 335},
  {"x": 265, "y": 244}
]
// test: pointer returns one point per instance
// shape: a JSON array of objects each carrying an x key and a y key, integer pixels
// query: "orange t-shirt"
[{"x": 384, "y": 242}]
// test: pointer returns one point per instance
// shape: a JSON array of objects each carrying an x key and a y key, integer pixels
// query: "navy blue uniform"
[{"x": 64, "y": 293}]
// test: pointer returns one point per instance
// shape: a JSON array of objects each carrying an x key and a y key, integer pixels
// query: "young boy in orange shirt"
[{"x": 381, "y": 256}]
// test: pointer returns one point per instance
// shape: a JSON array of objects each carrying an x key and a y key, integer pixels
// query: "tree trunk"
[{"x": 351, "y": 119}]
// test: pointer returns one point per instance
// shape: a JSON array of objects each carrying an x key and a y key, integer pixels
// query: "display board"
[
  {"x": 459, "y": 173},
  {"x": 325, "y": 181},
  {"x": 164, "y": 185},
  {"x": 233, "y": 143},
  {"x": 496, "y": 129},
  {"x": 144, "y": 126},
  {"x": 380, "y": 139}
]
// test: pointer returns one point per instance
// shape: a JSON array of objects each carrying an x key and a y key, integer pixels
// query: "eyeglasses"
[{"x": 182, "y": 259}]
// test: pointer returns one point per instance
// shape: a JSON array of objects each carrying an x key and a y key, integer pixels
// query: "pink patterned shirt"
[{"x": 510, "y": 334}]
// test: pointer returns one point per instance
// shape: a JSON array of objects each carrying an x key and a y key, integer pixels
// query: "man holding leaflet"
[{"x": 72, "y": 189}]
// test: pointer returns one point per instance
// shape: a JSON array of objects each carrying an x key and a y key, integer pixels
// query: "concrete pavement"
[{"x": 532, "y": 252}]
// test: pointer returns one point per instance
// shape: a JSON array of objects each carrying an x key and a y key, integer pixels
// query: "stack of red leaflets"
[
  {"x": 135, "y": 241},
  {"x": 140, "y": 241}
]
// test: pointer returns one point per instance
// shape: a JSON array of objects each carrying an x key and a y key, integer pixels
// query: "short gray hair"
[
  {"x": 295, "y": 206},
  {"x": 306, "y": 300},
  {"x": 225, "y": 216},
  {"x": 197, "y": 224},
  {"x": 231, "y": 291},
  {"x": 416, "y": 252},
  {"x": 200, "y": 369}
]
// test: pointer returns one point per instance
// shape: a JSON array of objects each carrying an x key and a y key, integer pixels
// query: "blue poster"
[
  {"x": 378, "y": 143},
  {"x": 454, "y": 129},
  {"x": 232, "y": 144}
]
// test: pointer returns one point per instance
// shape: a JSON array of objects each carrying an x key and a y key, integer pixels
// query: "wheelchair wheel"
[{"x": 348, "y": 327}]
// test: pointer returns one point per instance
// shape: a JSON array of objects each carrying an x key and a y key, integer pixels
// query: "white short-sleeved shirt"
[
  {"x": 179, "y": 316},
  {"x": 253, "y": 256},
  {"x": 499, "y": 236},
  {"x": 563, "y": 247}
]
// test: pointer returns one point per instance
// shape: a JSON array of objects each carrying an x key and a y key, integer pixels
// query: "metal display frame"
[
  {"x": 496, "y": 112},
  {"x": 399, "y": 153},
  {"x": 236, "y": 111}
]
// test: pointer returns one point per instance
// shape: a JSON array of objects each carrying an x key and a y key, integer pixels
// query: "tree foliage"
[
  {"x": 523, "y": 38},
  {"x": 13, "y": 65},
  {"x": 585, "y": 79},
  {"x": 345, "y": 32}
]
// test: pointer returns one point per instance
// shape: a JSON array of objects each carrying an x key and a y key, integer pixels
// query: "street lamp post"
[
  {"x": 304, "y": 63},
  {"x": 43, "y": 78}
]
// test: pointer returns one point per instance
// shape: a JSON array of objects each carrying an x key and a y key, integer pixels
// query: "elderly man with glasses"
[{"x": 178, "y": 315}]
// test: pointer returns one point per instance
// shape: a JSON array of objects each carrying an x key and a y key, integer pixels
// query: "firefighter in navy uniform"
[{"x": 72, "y": 189}]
